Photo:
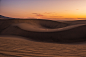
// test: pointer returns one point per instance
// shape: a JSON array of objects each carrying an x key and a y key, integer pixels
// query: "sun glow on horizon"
[{"x": 45, "y": 9}]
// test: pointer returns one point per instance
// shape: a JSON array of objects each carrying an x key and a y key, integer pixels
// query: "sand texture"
[{"x": 17, "y": 46}]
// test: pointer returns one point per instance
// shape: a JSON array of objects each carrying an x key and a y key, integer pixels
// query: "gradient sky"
[{"x": 49, "y": 9}]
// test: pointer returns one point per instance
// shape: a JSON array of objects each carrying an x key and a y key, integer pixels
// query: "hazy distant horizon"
[{"x": 58, "y": 19}]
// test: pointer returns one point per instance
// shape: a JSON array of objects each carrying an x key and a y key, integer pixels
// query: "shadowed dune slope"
[
  {"x": 76, "y": 34},
  {"x": 4, "y": 24}
]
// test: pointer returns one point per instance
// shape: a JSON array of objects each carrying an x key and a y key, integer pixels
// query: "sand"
[
  {"x": 18, "y": 46},
  {"x": 16, "y": 35},
  {"x": 68, "y": 34},
  {"x": 39, "y": 28}
]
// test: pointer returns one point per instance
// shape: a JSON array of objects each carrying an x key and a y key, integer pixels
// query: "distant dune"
[{"x": 76, "y": 22}]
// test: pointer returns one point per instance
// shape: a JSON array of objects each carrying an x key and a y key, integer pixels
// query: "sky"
[{"x": 45, "y": 9}]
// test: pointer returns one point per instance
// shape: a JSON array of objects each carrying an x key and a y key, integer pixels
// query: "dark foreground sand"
[{"x": 18, "y": 46}]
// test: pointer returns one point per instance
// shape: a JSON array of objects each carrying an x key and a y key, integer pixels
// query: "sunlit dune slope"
[{"x": 40, "y": 28}]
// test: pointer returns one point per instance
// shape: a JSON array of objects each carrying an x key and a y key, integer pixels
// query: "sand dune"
[
  {"x": 42, "y": 38},
  {"x": 4, "y": 23},
  {"x": 74, "y": 33},
  {"x": 45, "y": 30},
  {"x": 39, "y": 28}
]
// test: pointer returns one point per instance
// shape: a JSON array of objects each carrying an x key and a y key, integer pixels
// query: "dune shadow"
[
  {"x": 65, "y": 35},
  {"x": 50, "y": 37}
]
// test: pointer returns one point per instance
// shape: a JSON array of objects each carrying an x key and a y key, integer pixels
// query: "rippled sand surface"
[{"x": 21, "y": 47}]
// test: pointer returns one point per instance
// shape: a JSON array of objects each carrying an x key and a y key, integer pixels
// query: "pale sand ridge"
[{"x": 39, "y": 28}]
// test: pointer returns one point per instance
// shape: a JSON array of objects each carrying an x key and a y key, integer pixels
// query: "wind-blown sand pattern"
[{"x": 19, "y": 38}]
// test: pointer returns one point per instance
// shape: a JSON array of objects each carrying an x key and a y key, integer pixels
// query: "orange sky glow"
[{"x": 45, "y": 9}]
